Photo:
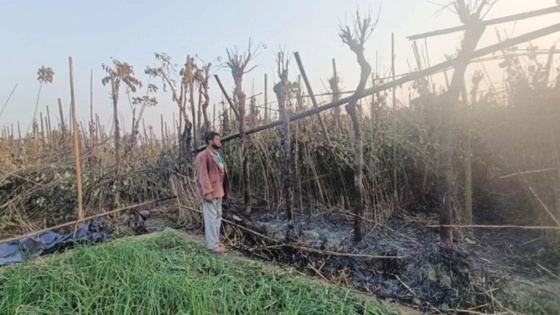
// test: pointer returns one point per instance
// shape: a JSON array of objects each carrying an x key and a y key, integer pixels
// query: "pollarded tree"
[
  {"x": 238, "y": 62},
  {"x": 281, "y": 89},
  {"x": 471, "y": 16},
  {"x": 356, "y": 38}
]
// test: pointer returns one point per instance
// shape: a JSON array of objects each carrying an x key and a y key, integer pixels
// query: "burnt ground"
[{"x": 489, "y": 269}]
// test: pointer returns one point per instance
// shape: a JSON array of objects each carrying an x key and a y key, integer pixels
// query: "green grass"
[{"x": 163, "y": 274}]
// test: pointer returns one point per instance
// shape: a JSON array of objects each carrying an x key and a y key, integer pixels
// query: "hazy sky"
[{"x": 38, "y": 32}]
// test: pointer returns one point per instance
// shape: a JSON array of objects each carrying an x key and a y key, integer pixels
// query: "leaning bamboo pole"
[
  {"x": 230, "y": 102},
  {"x": 313, "y": 100}
]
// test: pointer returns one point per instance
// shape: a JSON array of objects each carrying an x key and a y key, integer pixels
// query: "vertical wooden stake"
[
  {"x": 76, "y": 142},
  {"x": 265, "y": 98},
  {"x": 146, "y": 134},
  {"x": 91, "y": 123},
  {"x": 336, "y": 97},
  {"x": 468, "y": 160},
  {"x": 98, "y": 131},
  {"x": 42, "y": 129},
  {"x": 395, "y": 187},
  {"x": 162, "y": 133},
  {"x": 49, "y": 128},
  {"x": 19, "y": 131},
  {"x": 62, "y": 126}
]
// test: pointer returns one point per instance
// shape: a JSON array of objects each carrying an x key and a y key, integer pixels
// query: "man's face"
[{"x": 216, "y": 143}]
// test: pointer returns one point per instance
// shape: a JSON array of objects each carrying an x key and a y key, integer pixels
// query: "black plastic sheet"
[
  {"x": 31, "y": 247},
  {"x": 28, "y": 248}
]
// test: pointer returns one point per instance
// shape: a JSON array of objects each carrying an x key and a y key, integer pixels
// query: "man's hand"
[{"x": 208, "y": 197}]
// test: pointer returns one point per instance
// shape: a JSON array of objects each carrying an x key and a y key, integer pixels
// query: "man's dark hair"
[{"x": 210, "y": 136}]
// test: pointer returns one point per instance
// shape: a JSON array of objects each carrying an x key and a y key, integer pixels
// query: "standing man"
[{"x": 213, "y": 186}]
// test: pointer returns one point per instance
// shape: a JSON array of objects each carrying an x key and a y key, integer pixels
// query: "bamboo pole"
[
  {"x": 8, "y": 100},
  {"x": 62, "y": 126},
  {"x": 265, "y": 97},
  {"x": 230, "y": 102},
  {"x": 49, "y": 127},
  {"x": 91, "y": 123},
  {"x": 76, "y": 142},
  {"x": 100, "y": 129},
  {"x": 395, "y": 187},
  {"x": 336, "y": 97},
  {"x": 313, "y": 100},
  {"x": 42, "y": 129},
  {"x": 475, "y": 226},
  {"x": 511, "y": 18},
  {"x": 468, "y": 160}
]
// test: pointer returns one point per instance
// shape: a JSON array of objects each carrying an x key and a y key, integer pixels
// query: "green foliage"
[{"x": 163, "y": 275}]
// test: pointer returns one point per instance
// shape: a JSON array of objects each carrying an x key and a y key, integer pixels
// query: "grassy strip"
[{"x": 163, "y": 274}]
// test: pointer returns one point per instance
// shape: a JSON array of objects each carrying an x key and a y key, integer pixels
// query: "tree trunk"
[
  {"x": 280, "y": 90},
  {"x": 358, "y": 147},
  {"x": 191, "y": 93},
  {"x": 474, "y": 31},
  {"x": 244, "y": 144},
  {"x": 207, "y": 124}
]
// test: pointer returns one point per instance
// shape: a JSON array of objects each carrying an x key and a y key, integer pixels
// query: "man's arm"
[{"x": 203, "y": 178}]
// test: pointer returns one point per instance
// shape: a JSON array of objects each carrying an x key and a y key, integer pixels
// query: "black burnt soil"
[{"x": 426, "y": 275}]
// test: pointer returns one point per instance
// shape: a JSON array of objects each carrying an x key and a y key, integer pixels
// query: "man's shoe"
[{"x": 218, "y": 250}]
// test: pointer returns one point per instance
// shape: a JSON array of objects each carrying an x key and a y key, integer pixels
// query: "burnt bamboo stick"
[
  {"x": 312, "y": 96},
  {"x": 395, "y": 187},
  {"x": 226, "y": 96},
  {"x": 265, "y": 97},
  {"x": 511, "y": 18}
]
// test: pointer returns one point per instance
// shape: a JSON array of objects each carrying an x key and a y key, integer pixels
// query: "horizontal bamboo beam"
[
  {"x": 507, "y": 226},
  {"x": 505, "y": 19},
  {"x": 413, "y": 76}
]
